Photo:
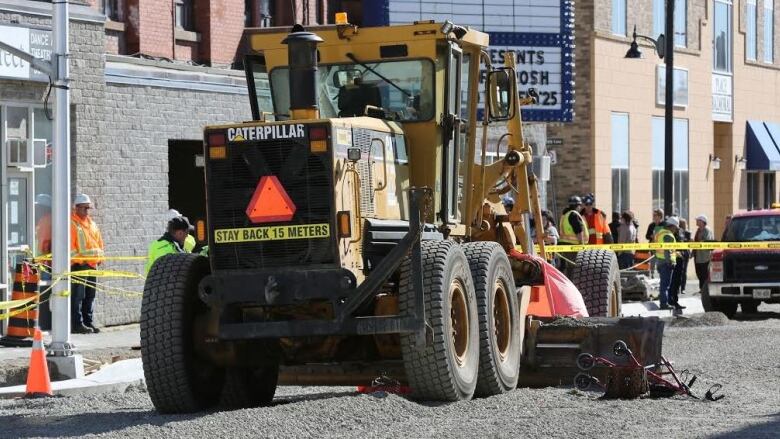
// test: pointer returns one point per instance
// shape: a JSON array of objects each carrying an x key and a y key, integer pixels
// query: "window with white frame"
[
  {"x": 680, "y": 21},
  {"x": 722, "y": 36},
  {"x": 620, "y": 160},
  {"x": 681, "y": 203},
  {"x": 769, "y": 31},
  {"x": 619, "y": 17},
  {"x": 751, "y": 31}
]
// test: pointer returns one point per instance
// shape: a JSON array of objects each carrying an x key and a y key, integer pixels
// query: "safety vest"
[
  {"x": 567, "y": 231},
  {"x": 659, "y": 237},
  {"x": 159, "y": 248},
  {"x": 85, "y": 241},
  {"x": 189, "y": 243},
  {"x": 597, "y": 227}
]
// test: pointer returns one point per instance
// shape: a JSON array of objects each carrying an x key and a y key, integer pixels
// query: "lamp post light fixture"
[
  {"x": 740, "y": 161},
  {"x": 664, "y": 46},
  {"x": 714, "y": 162}
]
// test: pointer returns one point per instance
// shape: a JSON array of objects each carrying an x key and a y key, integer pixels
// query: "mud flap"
[{"x": 553, "y": 344}]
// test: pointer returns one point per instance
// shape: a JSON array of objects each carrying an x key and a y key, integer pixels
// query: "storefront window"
[
  {"x": 769, "y": 31},
  {"x": 42, "y": 174},
  {"x": 27, "y": 139},
  {"x": 769, "y": 189}
]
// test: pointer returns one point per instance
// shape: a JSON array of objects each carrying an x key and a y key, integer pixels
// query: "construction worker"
[
  {"x": 573, "y": 229},
  {"x": 667, "y": 259},
  {"x": 598, "y": 229},
  {"x": 189, "y": 241},
  {"x": 172, "y": 241},
  {"x": 86, "y": 251}
]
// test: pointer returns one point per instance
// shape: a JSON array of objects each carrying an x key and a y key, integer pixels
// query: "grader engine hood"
[{"x": 270, "y": 196}]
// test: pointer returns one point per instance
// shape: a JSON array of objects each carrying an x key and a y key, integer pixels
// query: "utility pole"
[
  {"x": 61, "y": 350},
  {"x": 669, "y": 112}
]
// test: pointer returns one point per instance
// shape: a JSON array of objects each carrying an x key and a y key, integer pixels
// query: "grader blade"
[{"x": 552, "y": 346}]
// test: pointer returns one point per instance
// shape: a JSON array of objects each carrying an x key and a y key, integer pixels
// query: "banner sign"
[{"x": 33, "y": 41}]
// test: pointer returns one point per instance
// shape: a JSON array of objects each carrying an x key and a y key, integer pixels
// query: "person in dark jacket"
[{"x": 614, "y": 225}]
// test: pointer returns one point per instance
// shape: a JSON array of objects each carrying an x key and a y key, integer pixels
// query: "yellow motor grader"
[{"x": 355, "y": 231}]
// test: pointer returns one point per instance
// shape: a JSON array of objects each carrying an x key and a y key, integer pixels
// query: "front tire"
[
  {"x": 177, "y": 379},
  {"x": 597, "y": 276},
  {"x": 499, "y": 318},
  {"x": 445, "y": 369}
]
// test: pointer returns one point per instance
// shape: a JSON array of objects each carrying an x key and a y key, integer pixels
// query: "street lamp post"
[{"x": 664, "y": 46}]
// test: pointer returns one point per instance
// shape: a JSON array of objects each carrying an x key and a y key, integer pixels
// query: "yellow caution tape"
[
  {"x": 772, "y": 245},
  {"x": 48, "y": 257},
  {"x": 15, "y": 303}
]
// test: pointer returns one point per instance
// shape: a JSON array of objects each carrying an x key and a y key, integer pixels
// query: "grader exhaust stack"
[{"x": 304, "y": 81}]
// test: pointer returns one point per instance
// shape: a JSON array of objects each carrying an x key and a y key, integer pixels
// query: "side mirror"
[
  {"x": 345, "y": 77},
  {"x": 501, "y": 92}
]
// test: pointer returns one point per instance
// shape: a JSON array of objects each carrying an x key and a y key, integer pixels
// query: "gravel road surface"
[{"x": 742, "y": 355}]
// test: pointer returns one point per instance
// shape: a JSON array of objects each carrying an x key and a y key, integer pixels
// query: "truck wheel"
[
  {"x": 445, "y": 369},
  {"x": 750, "y": 307},
  {"x": 178, "y": 380},
  {"x": 729, "y": 308},
  {"x": 499, "y": 318},
  {"x": 249, "y": 387},
  {"x": 597, "y": 276}
]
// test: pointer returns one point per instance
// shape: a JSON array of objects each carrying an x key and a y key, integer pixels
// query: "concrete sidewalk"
[
  {"x": 114, "y": 337},
  {"x": 116, "y": 377}
]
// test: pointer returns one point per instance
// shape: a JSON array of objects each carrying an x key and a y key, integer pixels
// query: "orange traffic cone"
[{"x": 38, "y": 382}]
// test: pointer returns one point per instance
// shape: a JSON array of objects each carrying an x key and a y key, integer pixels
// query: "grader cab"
[{"x": 356, "y": 231}]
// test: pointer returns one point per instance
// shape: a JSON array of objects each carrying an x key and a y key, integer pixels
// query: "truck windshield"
[
  {"x": 404, "y": 89},
  {"x": 754, "y": 228}
]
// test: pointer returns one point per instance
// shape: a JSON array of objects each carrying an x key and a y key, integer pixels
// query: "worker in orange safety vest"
[
  {"x": 86, "y": 249},
  {"x": 598, "y": 229}
]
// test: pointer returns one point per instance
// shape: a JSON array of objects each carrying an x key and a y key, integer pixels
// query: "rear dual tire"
[
  {"x": 499, "y": 318},
  {"x": 446, "y": 368}
]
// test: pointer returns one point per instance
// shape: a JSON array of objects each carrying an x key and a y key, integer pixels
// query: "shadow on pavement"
[
  {"x": 766, "y": 429},
  {"x": 760, "y": 315}
]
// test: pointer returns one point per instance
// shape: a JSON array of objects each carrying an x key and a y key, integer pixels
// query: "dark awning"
[{"x": 762, "y": 146}]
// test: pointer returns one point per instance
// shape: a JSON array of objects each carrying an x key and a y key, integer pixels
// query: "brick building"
[{"x": 146, "y": 77}]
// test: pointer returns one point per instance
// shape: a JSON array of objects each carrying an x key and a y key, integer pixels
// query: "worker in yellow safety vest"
[
  {"x": 86, "y": 251},
  {"x": 573, "y": 229},
  {"x": 666, "y": 262},
  {"x": 172, "y": 241}
]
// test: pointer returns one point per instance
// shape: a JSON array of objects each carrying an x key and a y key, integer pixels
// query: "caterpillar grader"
[{"x": 355, "y": 231}]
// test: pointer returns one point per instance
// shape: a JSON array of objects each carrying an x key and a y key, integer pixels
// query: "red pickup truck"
[{"x": 745, "y": 277}]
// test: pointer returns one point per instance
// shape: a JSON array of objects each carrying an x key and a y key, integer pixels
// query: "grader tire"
[
  {"x": 178, "y": 381},
  {"x": 597, "y": 276},
  {"x": 499, "y": 318},
  {"x": 249, "y": 387},
  {"x": 446, "y": 368}
]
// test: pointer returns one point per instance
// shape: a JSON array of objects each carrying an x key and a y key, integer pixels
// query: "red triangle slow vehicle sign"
[{"x": 270, "y": 202}]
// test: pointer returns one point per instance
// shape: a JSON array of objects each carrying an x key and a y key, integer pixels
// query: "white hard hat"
[
  {"x": 82, "y": 199},
  {"x": 171, "y": 214},
  {"x": 673, "y": 221},
  {"x": 702, "y": 218}
]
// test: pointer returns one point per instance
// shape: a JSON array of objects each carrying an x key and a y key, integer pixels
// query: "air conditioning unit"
[{"x": 18, "y": 152}]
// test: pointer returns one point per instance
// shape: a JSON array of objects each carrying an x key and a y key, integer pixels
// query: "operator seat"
[{"x": 353, "y": 99}]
